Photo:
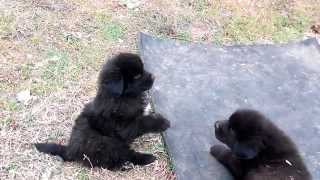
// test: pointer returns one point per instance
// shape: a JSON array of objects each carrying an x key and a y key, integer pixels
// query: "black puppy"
[
  {"x": 258, "y": 149},
  {"x": 104, "y": 130}
]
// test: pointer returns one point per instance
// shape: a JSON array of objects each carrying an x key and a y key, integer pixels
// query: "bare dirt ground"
[{"x": 51, "y": 52}]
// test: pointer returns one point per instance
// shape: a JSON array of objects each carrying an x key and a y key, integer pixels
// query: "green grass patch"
[
  {"x": 102, "y": 18},
  {"x": 113, "y": 31},
  {"x": 25, "y": 71},
  {"x": 279, "y": 28},
  {"x": 218, "y": 37},
  {"x": 200, "y": 5},
  {"x": 11, "y": 168},
  {"x": 286, "y": 28},
  {"x": 6, "y": 24},
  {"x": 53, "y": 74},
  {"x": 183, "y": 35},
  {"x": 262, "y": 24},
  {"x": 55, "y": 135},
  {"x": 83, "y": 174},
  {"x": 10, "y": 105},
  {"x": 56, "y": 67},
  {"x": 35, "y": 40},
  {"x": 6, "y": 121}
]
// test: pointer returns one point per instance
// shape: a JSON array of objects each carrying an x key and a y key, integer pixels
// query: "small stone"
[
  {"x": 29, "y": 56},
  {"x": 131, "y": 4},
  {"x": 23, "y": 96}
]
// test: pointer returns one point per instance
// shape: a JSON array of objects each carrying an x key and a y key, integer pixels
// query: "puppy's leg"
[
  {"x": 225, "y": 157},
  {"x": 138, "y": 158},
  {"x": 153, "y": 123}
]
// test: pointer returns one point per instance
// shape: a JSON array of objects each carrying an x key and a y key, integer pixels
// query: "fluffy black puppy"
[
  {"x": 104, "y": 130},
  {"x": 258, "y": 150}
]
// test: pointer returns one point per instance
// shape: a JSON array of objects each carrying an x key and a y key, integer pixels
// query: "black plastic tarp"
[{"x": 197, "y": 84}]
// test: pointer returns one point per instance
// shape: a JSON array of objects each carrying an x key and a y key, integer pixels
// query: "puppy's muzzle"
[{"x": 149, "y": 79}]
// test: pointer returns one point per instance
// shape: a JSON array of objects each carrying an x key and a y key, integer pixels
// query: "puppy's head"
[
  {"x": 244, "y": 133},
  {"x": 124, "y": 75}
]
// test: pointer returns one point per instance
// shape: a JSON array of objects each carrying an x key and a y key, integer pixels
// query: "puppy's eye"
[{"x": 137, "y": 76}]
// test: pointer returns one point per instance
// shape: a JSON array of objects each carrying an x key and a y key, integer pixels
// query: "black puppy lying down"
[
  {"x": 258, "y": 150},
  {"x": 104, "y": 130}
]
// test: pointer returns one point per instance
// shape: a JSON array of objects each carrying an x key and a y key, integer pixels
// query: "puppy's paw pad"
[{"x": 218, "y": 150}]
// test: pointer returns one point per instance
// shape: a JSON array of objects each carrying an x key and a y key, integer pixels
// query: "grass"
[
  {"x": 56, "y": 68},
  {"x": 266, "y": 22},
  {"x": 53, "y": 74},
  {"x": 56, "y": 49},
  {"x": 278, "y": 28},
  {"x": 7, "y": 121},
  {"x": 10, "y": 105}
]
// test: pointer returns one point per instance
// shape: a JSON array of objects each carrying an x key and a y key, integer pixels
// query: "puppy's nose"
[
  {"x": 152, "y": 76},
  {"x": 217, "y": 124}
]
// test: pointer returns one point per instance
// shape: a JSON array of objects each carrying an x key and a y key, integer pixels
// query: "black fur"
[
  {"x": 104, "y": 130},
  {"x": 257, "y": 149}
]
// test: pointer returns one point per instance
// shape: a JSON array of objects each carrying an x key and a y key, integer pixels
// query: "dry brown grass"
[{"x": 54, "y": 49}]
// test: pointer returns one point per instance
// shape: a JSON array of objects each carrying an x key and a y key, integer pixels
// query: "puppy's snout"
[
  {"x": 217, "y": 124},
  {"x": 149, "y": 76}
]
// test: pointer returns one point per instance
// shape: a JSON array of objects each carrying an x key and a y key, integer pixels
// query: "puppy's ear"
[
  {"x": 245, "y": 151},
  {"x": 113, "y": 82}
]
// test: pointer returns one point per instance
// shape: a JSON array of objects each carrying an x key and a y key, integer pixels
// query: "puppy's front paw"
[
  {"x": 218, "y": 151},
  {"x": 143, "y": 159},
  {"x": 161, "y": 123}
]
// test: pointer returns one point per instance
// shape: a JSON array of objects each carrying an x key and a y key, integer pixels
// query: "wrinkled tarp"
[{"x": 197, "y": 84}]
